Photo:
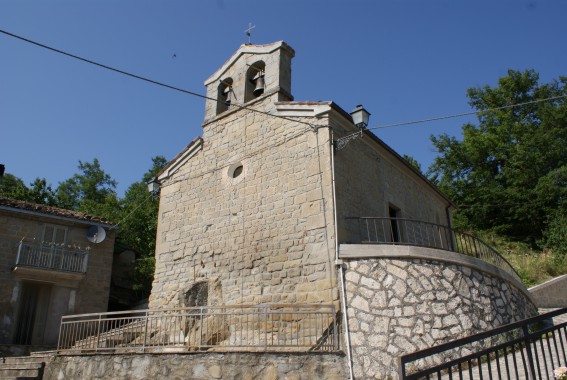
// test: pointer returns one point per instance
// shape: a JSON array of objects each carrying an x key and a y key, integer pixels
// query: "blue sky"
[{"x": 403, "y": 60}]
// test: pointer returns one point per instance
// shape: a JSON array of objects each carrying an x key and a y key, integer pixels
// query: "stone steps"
[
  {"x": 115, "y": 337},
  {"x": 25, "y": 367},
  {"x": 22, "y": 370}
]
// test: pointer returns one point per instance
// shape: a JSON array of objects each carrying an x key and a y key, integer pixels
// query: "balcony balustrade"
[
  {"x": 52, "y": 257},
  {"x": 399, "y": 231}
]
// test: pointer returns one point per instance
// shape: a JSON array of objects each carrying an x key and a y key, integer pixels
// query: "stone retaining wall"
[
  {"x": 240, "y": 366},
  {"x": 398, "y": 306},
  {"x": 552, "y": 293}
]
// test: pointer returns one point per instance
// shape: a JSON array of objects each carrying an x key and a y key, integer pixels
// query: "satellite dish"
[{"x": 96, "y": 234}]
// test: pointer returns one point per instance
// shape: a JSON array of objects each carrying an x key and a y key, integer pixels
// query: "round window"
[{"x": 237, "y": 171}]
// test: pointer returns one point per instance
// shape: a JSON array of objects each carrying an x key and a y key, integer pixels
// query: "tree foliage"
[
  {"x": 508, "y": 173},
  {"x": 139, "y": 225}
]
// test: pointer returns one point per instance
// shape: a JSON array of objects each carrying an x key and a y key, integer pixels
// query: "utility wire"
[
  {"x": 270, "y": 114},
  {"x": 150, "y": 80},
  {"x": 468, "y": 113},
  {"x": 140, "y": 204},
  {"x": 348, "y": 137}
]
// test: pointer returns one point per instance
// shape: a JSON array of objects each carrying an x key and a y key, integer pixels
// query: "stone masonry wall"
[
  {"x": 370, "y": 179},
  {"x": 266, "y": 236},
  {"x": 398, "y": 306},
  {"x": 237, "y": 366}
]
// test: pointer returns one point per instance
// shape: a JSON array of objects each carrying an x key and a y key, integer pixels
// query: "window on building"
[{"x": 54, "y": 235}]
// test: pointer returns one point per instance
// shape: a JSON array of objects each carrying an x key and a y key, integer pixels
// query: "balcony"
[
  {"x": 409, "y": 232},
  {"x": 54, "y": 257}
]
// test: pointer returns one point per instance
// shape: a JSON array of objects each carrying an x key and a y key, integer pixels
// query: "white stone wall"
[
  {"x": 401, "y": 306},
  {"x": 266, "y": 236},
  {"x": 552, "y": 293}
]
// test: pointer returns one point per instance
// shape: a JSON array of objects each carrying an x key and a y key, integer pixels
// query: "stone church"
[{"x": 295, "y": 202}]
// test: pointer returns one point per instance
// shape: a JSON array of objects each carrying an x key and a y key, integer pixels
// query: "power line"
[
  {"x": 346, "y": 138},
  {"x": 147, "y": 79},
  {"x": 468, "y": 113},
  {"x": 419, "y": 121}
]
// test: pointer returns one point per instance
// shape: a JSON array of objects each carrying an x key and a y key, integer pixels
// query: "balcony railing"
[
  {"x": 53, "y": 257},
  {"x": 293, "y": 328},
  {"x": 399, "y": 231}
]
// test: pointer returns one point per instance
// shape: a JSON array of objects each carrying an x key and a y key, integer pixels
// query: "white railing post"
[
  {"x": 19, "y": 253},
  {"x": 85, "y": 261}
]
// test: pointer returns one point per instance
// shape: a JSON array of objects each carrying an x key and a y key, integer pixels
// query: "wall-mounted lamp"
[
  {"x": 153, "y": 186},
  {"x": 360, "y": 116}
]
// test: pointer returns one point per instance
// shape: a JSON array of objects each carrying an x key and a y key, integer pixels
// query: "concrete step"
[
  {"x": 13, "y": 360},
  {"x": 43, "y": 354},
  {"x": 21, "y": 371}
]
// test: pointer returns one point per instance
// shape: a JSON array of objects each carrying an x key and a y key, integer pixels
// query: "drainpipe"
[
  {"x": 448, "y": 215},
  {"x": 339, "y": 263}
]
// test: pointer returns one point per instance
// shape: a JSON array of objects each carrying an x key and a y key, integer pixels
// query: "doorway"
[
  {"x": 32, "y": 313},
  {"x": 394, "y": 214}
]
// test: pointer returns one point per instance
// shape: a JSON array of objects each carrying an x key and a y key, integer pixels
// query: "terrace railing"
[
  {"x": 529, "y": 349},
  {"x": 220, "y": 328},
  {"x": 52, "y": 257},
  {"x": 399, "y": 231}
]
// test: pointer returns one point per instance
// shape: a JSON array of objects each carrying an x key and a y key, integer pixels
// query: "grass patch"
[{"x": 533, "y": 266}]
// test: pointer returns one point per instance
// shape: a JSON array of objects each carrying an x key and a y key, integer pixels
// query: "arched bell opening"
[
  {"x": 225, "y": 95},
  {"x": 255, "y": 81}
]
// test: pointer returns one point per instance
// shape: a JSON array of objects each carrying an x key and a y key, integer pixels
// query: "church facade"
[
  {"x": 289, "y": 202},
  {"x": 251, "y": 204}
]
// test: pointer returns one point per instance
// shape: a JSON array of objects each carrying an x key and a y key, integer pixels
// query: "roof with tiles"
[{"x": 17, "y": 205}]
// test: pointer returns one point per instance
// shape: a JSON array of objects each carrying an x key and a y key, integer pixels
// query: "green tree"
[
  {"x": 91, "y": 191},
  {"x": 413, "y": 162},
  {"x": 13, "y": 187},
  {"x": 40, "y": 192},
  {"x": 138, "y": 226},
  {"x": 508, "y": 172}
]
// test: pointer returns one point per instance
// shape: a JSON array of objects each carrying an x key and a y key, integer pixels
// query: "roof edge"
[{"x": 249, "y": 49}]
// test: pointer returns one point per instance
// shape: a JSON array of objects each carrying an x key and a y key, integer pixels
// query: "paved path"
[{"x": 549, "y": 357}]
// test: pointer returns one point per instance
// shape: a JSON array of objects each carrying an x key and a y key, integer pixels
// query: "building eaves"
[{"x": 197, "y": 140}]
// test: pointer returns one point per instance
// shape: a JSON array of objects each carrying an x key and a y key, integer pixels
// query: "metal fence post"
[
  {"x": 265, "y": 328},
  {"x": 145, "y": 332},
  {"x": 98, "y": 332},
  {"x": 529, "y": 351}
]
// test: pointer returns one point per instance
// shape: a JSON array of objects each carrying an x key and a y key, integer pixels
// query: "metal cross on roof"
[{"x": 249, "y": 32}]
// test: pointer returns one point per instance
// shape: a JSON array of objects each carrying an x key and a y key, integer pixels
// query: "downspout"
[
  {"x": 450, "y": 225},
  {"x": 339, "y": 263}
]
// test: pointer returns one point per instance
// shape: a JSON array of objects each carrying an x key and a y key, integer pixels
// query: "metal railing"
[
  {"x": 220, "y": 328},
  {"x": 399, "y": 231},
  {"x": 51, "y": 256},
  {"x": 529, "y": 349}
]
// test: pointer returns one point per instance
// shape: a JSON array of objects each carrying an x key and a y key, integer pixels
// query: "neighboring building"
[{"x": 49, "y": 268}]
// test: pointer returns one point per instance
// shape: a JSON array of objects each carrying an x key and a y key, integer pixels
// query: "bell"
[
  {"x": 260, "y": 85},
  {"x": 227, "y": 93}
]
